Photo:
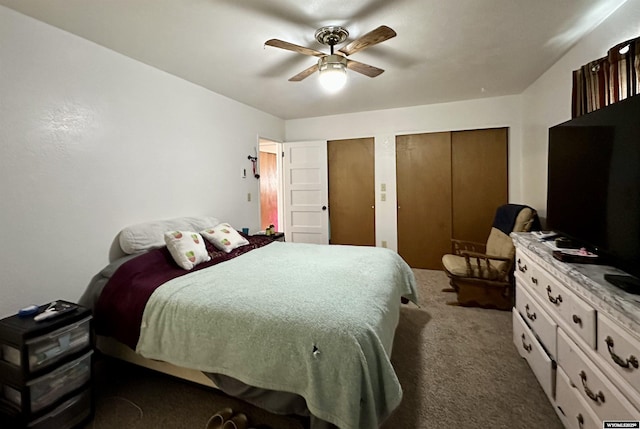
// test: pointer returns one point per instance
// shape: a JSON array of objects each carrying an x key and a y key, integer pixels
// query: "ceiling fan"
[{"x": 332, "y": 67}]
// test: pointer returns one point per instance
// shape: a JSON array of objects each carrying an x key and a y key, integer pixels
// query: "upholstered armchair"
[{"x": 482, "y": 274}]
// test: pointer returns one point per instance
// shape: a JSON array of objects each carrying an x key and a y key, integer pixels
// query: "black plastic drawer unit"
[{"x": 46, "y": 370}]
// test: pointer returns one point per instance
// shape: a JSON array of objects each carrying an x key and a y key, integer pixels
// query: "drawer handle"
[
  {"x": 534, "y": 280},
  {"x": 531, "y": 316},
  {"x": 577, "y": 320},
  {"x": 522, "y": 268},
  {"x": 593, "y": 396},
  {"x": 557, "y": 300},
  {"x": 617, "y": 359},
  {"x": 580, "y": 420},
  {"x": 526, "y": 346}
]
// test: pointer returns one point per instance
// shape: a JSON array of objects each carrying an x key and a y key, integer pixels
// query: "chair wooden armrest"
[
  {"x": 479, "y": 255},
  {"x": 460, "y": 246},
  {"x": 482, "y": 258}
]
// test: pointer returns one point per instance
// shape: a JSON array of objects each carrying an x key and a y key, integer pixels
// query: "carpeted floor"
[{"x": 458, "y": 368}]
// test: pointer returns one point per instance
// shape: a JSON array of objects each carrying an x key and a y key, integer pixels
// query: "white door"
[{"x": 306, "y": 192}]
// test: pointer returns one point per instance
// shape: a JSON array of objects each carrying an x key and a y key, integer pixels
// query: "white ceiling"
[{"x": 444, "y": 51}]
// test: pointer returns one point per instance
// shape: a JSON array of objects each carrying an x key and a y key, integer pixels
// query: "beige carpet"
[{"x": 458, "y": 368}]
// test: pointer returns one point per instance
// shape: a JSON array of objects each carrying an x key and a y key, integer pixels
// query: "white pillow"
[
  {"x": 187, "y": 248},
  {"x": 224, "y": 237},
  {"x": 150, "y": 235}
]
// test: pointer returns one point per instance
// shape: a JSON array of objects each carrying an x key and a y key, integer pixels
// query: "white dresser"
[{"x": 579, "y": 334}]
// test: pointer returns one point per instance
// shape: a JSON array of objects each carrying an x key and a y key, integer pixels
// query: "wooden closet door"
[
  {"x": 351, "y": 191},
  {"x": 479, "y": 160},
  {"x": 423, "y": 177}
]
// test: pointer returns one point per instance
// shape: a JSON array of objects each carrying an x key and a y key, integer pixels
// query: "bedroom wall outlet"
[
  {"x": 249, "y": 196},
  {"x": 384, "y": 243}
]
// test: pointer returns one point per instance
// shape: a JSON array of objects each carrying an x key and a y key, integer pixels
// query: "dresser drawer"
[
  {"x": 522, "y": 263},
  {"x": 527, "y": 272},
  {"x": 620, "y": 350},
  {"x": 574, "y": 412},
  {"x": 577, "y": 314},
  {"x": 67, "y": 415},
  {"x": 540, "y": 322},
  {"x": 45, "y": 390},
  {"x": 601, "y": 395},
  {"x": 48, "y": 349},
  {"x": 530, "y": 349}
]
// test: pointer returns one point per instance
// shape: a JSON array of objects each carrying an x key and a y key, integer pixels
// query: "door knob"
[{"x": 324, "y": 207}]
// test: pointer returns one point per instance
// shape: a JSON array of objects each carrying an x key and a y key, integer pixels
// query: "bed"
[{"x": 308, "y": 326}]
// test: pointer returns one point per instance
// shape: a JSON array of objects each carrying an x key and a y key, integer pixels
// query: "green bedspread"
[{"x": 314, "y": 320}]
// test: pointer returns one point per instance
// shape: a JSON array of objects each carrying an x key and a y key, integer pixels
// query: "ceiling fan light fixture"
[{"x": 333, "y": 72}]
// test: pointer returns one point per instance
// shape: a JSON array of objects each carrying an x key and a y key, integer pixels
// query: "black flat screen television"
[{"x": 593, "y": 188}]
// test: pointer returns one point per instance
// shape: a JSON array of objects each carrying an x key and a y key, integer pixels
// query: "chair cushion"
[
  {"x": 524, "y": 221},
  {"x": 500, "y": 244},
  {"x": 457, "y": 266}
]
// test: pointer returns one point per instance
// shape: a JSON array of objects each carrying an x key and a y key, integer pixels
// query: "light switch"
[
  {"x": 383, "y": 197},
  {"x": 383, "y": 187},
  {"x": 249, "y": 196}
]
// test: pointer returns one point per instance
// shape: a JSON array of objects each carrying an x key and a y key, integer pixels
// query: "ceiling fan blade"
[
  {"x": 295, "y": 48},
  {"x": 304, "y": 74},
  {"x": 373, "y": 37},
  {"x": 365, "y": 69}
]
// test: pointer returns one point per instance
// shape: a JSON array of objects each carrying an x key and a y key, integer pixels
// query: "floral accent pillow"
[
  {"x": 187, "y": 248},
  {"x": 224, "y": 237}
]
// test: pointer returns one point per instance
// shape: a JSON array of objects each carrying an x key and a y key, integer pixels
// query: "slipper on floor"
[
  {"x": 218, "y": 420},
  {"x": 238, "y": 421}
]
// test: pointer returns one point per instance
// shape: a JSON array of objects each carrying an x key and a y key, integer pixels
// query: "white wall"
[
  {"x": 384, "y": 125},
  {"x": 547, "y": 101},
  {"x": 92, "y": 141}
]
